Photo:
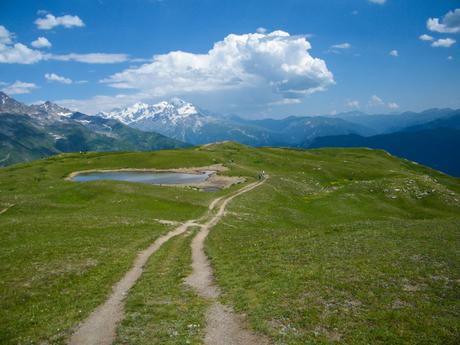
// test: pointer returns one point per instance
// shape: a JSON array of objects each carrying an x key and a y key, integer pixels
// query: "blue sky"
[{"x": 270, "y": 58}]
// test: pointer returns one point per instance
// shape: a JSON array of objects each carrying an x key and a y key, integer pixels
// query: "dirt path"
[
  {"x": 223, "y": 326},
  {"x": 99, "y": 328}
]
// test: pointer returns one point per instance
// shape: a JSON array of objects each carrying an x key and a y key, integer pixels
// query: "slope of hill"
[
  {"x": 338, "y": 245},
  {"x": 438, "y": 148},
  {"x": 452, "y": 122},
  {"x": 388, "y": 123},
  {"x": 31, "y": 132}
]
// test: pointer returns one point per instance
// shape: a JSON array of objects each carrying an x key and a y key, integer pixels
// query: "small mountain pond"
[{"x": 148, "y": 177}]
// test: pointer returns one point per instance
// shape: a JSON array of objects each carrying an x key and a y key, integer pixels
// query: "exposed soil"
[
  {"x": 223, "y": 325},
  {"x": 99, "y": 328}
]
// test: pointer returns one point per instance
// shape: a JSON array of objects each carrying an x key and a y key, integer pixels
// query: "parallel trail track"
[{"x": 223, "y": 326}]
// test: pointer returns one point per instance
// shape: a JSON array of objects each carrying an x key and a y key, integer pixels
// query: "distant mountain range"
[
  {"x": 186, "y": 122},
  {"x": 29, "y": 132},
  {"x": 435, "y": 143}
]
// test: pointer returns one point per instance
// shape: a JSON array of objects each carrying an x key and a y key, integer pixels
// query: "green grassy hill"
[
  {"x": 339, "y": 246},
  {"x": 25, "y": 138}
]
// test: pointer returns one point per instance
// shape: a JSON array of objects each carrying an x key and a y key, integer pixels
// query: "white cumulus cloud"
[
  {"x": 426, "y": 37},
  {"x": 50, "y": 21},
  {"x": 376, "y": 101},
  {"x": 41, "y": 42},
  {"x": 443, "y": 43},
  {"x": 394, "y": 53},
  {"x": 353, "y": 104},
  {"x": 19, "y": 53},
  {"x": 19, "y": 87},
  {"x": 275, "y": 62},
  {"x": 449, "y": 24},
  {"x": 6, "y": 37},
  {"x": 57, "y": 78},
  {"x": 380, "y": 2},
  {"x": 393, "y": 105}
]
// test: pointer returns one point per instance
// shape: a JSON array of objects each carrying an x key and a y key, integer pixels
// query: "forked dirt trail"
[
  {"x": 223, "y": 326},
  {"x": 99, "y": 328}
]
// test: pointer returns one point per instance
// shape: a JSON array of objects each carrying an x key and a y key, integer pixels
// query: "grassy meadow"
[{"x": 338, "y": 246}]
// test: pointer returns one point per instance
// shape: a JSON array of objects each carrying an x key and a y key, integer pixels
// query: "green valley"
[{"x": 350, "y": 246}]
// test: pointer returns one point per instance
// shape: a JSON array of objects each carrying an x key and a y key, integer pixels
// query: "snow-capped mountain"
[
  {"x": 11, "y": 106},
  {"x": 173, "y": 111},
  {"x": 184, "y": 121},
  {"x": 175, "y": 118},
  {"x": 33, "y": 131},
  {"x": 52, "y": 109},
  {"x": 46, "y": 111}
]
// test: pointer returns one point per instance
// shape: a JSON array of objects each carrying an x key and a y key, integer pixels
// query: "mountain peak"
[
  {"x": 52, "y": 109},
  {"x": 12, "y": 106},
  {"x": 167, "y": 111}
]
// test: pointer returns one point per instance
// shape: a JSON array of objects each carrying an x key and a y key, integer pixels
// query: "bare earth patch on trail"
[
  {"x": 99, "y": 328},
  {"x": 223, "y": 325}
]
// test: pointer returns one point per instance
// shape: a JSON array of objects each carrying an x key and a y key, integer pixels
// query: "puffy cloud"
[
  {"x": 275, "y": 62},
  {"x": 353, "y": 104},
  {"x": 261, "y": 30},
  {"x": 5, "y": 36},
  {"x": 449, "y": 24},
  {"x": 57, "y": 78},
  {"x": 41, "y": 42},
  {"x": 426, "y": 37},
  {"x": 380, "y": 2},
  {"x": 19, "y": 87},
  {"x": 94, "y": 58},
  {"x": 443, "y": 43},
  {"x": 50, "y": 21},
  {"x": 375, "y": 101},
  {"x": 19, "y": 53},
  {"x": 394, "y": 53}
]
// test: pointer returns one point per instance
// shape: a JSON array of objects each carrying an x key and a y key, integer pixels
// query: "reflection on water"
[{"x": 148, "y": 177}]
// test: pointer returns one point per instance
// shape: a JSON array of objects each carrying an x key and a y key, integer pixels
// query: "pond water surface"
[{"x": 149, "y": 177}]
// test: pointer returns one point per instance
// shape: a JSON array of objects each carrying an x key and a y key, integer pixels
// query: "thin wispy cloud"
[
  {"x": 19, "y": 88},
  {"x": 378, "y": 2},
  {"x": 18, "y": 53},
  {"x": 344, "y": 45},
  {"x": 91, "y": 58}
]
